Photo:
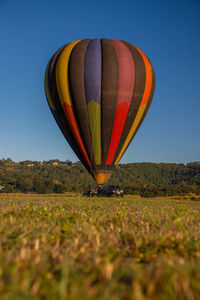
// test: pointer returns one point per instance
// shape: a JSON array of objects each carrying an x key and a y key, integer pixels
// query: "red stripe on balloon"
[
  {"x": 120, "y": 119},
  {"x": 125, "y": 92},
  {"x": 68, "y": 110}
]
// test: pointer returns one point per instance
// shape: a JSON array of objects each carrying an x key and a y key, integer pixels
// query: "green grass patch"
[{"x": 99, "y": 248}]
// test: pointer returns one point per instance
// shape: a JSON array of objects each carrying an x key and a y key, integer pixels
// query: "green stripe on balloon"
[
  {"x": 92, "y": 82},
  {"x": 94, "y": 115}
]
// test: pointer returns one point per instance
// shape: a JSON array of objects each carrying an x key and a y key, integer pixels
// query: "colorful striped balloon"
[{"x": 99, "y": 92}]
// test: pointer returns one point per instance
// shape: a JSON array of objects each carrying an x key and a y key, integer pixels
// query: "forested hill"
[{"x": 137, "y": 178}]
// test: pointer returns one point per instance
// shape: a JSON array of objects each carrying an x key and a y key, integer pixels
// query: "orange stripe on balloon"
[
  {"x": 148, "y": 85},
  {"x": 68, "y": 110}
]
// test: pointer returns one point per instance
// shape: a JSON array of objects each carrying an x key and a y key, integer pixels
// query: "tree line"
[{"x": 55, "y": 176}]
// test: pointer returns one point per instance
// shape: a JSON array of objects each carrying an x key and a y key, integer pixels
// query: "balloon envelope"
[{"x": 99, "y": 92}]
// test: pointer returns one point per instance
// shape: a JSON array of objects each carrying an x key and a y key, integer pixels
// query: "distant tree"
[
  {"x": 59, "y": 188},
  {"x": 38, "y": 185},
  {"x": 146, "y": 179}
]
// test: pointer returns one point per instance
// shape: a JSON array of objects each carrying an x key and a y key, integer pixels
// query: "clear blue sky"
[{"x": 167, "y": 31}]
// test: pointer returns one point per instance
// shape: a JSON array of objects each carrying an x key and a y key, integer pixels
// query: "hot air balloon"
[{"x": 99, "y": 92}]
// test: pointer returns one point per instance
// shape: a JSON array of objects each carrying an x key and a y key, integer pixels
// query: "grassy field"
[{"x": 55, "y": 247}]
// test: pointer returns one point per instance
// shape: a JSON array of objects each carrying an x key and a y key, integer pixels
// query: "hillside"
[{"x": 146, "y": 179}]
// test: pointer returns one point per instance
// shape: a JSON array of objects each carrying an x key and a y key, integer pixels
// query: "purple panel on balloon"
[{"x": 92, "y": 71}]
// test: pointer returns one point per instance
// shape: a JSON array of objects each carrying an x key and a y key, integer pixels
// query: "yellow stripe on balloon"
[
  {"x": 62, "y": 82},
  {"x": 132, "y": 131},
  {"x": 49, "y": 99}
]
